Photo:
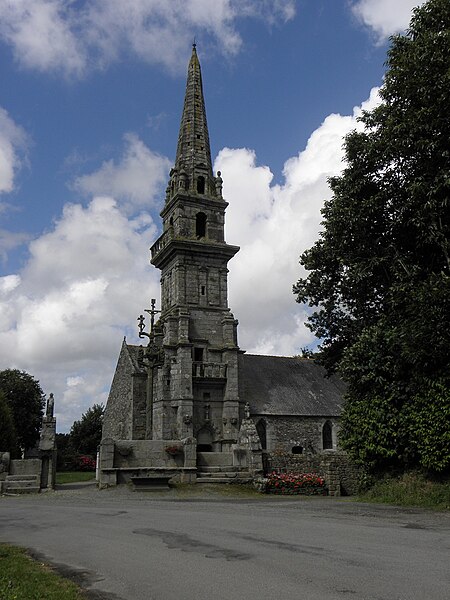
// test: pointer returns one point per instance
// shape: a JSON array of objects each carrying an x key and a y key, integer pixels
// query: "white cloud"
[
  {"x": 13, "y": 141},
  {"x": 128, "y": 180},
  {"x": 10, "y": 240},
  {"x": 63, "y": 317},
  {"x": 56, "y": 35},
  {"x": 385, "y": 17},
  {"x": 274, "y": 224},
  {"x": 42, "y": 35}
]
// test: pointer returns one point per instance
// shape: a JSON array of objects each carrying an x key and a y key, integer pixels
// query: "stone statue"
[
  {"x": 219, "y": 184},
  {"x": 50, "y": 407},
  {"x": 247, "y": 410}
]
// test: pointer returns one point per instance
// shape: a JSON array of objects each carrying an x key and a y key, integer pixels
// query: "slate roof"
[
  {"x": 133, "y": 352},
  {"x": 278, "y": 385}
]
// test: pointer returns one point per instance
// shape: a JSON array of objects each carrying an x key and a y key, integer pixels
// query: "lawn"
[
  {"x": 22, "y": 578},
  {"x": 410, "y": 489},
  {"x": 74, "y": 477}
]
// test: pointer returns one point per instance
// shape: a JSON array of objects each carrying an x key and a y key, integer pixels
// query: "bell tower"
[{"x": 195, "y": 389}]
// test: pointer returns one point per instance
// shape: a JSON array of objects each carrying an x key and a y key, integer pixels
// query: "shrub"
[{"x": 85, "y": 463}]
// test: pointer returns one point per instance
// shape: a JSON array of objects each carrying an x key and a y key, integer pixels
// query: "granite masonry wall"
[{"x": 341, "y": 475}]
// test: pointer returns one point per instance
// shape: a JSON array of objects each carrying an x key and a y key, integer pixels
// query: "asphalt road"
[{"x": 150, "y": 546}]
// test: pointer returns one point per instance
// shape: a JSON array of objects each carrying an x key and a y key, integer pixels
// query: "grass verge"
[
  {"x": 74, "y": 476},
  {"x": 410, "y": 489},
  {"x": 22, "y": 578}
]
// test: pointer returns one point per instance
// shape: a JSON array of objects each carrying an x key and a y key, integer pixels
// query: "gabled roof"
[
  {"x": 278, "y": 385},
  {"x": 133, "y": 353}
]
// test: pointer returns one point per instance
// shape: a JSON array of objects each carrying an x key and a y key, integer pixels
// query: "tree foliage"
[
  {"x": 25, "y": 399},
  {"x": 86, "y": 434},
  {"x": 380, "y": 272},
  {"x": 8, "y": 437}
]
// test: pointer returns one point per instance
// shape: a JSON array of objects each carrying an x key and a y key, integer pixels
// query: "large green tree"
[
  {"x": 380, "y": 272},
  {"x": 25, "y": 399},
  {"x": 8, "y": 438},
  {"x": 86, "y": 434}
]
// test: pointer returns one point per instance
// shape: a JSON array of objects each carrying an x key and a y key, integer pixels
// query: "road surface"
[{"x": 129, "y": 545}]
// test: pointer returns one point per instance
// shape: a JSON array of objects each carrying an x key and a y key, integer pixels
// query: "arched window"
[
  {"x": 261, "y": 429},
  {"x": 327, "y": 436},
  {"x": 200, "y": 225},
  {"x": 200, "y": 184}
]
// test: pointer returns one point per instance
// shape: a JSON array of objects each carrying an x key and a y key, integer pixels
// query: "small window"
[
  {"x": 297, "y": 450},
  {"x": 200, "y": 184},
  {"x": 327, "y": 436},
  {"x": 262, "y": 432},
  {"x": 200, "y": 225},
  {"x": 198, "y": 354},
  {"x": 171, "y": 221},
  {"x": 202, "y": 290}
]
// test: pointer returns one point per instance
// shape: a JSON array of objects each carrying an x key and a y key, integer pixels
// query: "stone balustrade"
[
  {"x": 162, "y": 242},
  {"x": 209, "y": 370}
]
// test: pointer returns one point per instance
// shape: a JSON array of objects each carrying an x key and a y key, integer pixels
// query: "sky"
[{"x": 90, "y": 107}]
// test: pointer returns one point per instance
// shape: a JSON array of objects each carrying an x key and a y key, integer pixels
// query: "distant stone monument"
[
  {"x": 47, "y": 446},
  {"x": 28, "y": 475}
]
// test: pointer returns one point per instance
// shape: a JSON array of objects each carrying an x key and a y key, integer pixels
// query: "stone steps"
[
  {"x": 227, "y": 480},
  {"x": 22, "y": 484},
  {"x": 223, "y": 474}
]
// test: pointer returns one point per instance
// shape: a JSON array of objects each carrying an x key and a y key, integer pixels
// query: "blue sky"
[{"x": 89, "y": 113}]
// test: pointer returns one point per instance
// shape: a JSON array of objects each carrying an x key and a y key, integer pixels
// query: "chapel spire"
[{"x": 193, "y": 167}]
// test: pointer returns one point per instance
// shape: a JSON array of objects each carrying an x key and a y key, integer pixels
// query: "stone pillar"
[
  {"x": 107, "y": 474},
  {"x": 47, "y": 446}
]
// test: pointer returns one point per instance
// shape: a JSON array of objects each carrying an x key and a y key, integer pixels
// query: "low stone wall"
[
  {"x": 122, "y": 459},
  {"x": 25, "y": 466},
  {"x": 340, "y": 474}
]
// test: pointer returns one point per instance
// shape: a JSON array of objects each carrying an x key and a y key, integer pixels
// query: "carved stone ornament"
[{"x": 187, "y": 419}]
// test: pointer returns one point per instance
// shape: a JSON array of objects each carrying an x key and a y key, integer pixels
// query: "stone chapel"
[{"x": 191, "y": 403}]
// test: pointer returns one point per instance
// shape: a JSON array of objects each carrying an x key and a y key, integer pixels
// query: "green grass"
[
  {"x": 410, "y": 489},
  {"x": 74, "y": 476},
  {"x": 22, "y": 578}
]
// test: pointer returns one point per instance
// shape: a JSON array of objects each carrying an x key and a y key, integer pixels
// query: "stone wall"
[
  {"x": 340, "y": 474},
  {"x": 285, "y": 432},
  {"x": 122, "y": 459}
]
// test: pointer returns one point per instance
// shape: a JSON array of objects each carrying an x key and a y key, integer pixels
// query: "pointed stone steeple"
[
  {"x": 195, "y": 390},
  {"x": 193, "y": 168}
]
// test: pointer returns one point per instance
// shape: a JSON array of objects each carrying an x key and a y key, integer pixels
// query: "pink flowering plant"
[
  {"x": 310, "y": 484},
  {"x": 85, "y": 463},
  {"x": 173, "y": 450}
]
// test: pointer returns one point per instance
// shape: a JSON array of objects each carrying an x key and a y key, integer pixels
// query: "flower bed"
[{"x": 309, "y": 484}]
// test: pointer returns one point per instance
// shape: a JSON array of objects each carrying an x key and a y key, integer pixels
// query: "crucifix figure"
[
  {"x": 141, "y": 325},
  {"x": 152, "y": 312}
]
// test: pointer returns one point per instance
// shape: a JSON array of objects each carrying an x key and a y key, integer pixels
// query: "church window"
[
  {"x": 200, "y": 184},
  {"x": 203, "y": 290},
  {"x": 261, "y": 429},
  {"x": 200, "y": 225},
  {"x": 327, "y": 436},
  {"x": 297, "y": 450},
  {"x": 171, "y": 221},
  {"x": 198, "y": 354}
]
